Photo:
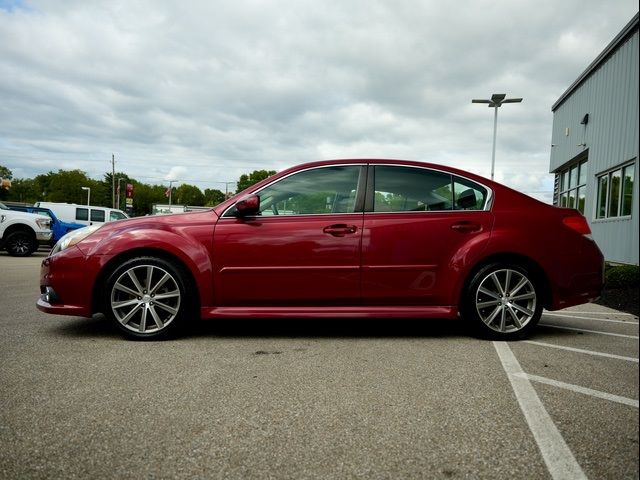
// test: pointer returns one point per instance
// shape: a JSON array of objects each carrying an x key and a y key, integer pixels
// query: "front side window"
[
  {"x": 323, "y": 190},
  {"x": 615, "y": 192},
  {"x": 407, "y": 189}
]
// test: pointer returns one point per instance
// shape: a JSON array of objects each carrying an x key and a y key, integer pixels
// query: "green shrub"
[{"x": 622, "y": 276}]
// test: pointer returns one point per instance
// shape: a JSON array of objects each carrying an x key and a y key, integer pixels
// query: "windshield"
[{"x": 3, "y": 206}]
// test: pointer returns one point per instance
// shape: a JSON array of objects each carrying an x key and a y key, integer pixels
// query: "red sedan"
[{"x": 346, "y": 238}]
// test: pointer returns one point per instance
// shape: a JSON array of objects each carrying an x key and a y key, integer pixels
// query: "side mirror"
[{"x": 248, "y": 205}]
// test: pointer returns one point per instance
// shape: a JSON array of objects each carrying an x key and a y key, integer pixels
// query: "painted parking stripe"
[
  {"x": 556, "y": 454},
  {"x": 588, "y": 331},
  {"x": 626, "y": 322},
  {"x": 577, "y": 388},
  {"x": 580, "y": 350},
  {"x": 616, "y": 314}
]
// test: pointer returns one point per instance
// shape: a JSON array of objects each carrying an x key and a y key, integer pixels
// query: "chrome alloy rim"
[
  {"x": 145, "y": 299},
  {"x": 506, "y": 301}
]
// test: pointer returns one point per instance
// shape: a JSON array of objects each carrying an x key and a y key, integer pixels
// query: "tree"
[
  {"x": 145, "y": 196},
  {"x": 66, "y": 186},
  {"x": 245, "y": 181},
  {"x": 5, "y": 174},
  {"x": 23, "y": 191},
  {"x": 189, "y": 195},
  {"x": 213, "y": 197}
]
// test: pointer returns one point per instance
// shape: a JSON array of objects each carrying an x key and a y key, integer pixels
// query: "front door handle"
[
  {"x": 340, "y": 230},
  {"x": 466, "y": 227}
]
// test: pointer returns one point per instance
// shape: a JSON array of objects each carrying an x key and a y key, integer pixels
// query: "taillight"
[{"x": 577, "y": 223}]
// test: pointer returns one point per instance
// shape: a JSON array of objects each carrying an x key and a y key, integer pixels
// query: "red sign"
[{"x": 129, "y": 190}]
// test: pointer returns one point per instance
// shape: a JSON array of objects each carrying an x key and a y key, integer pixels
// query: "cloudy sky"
[{"x": 202, "y": 91}]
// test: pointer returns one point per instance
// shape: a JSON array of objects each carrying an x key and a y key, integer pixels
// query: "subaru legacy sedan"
[{"x": 346, "y": 239}]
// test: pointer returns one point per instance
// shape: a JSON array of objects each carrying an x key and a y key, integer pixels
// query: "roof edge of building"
[{"x": 626, "y": 32}]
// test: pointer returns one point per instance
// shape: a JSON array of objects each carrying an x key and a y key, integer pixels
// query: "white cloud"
[{"x": 223, "y": 88}]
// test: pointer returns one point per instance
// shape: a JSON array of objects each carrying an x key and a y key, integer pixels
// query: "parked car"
[
  {"x": 349, "y": 238},
  {"x": 83, "y": 214},
  {"x": 22, "y": 232},
  {"x": 58, "y": 227}
]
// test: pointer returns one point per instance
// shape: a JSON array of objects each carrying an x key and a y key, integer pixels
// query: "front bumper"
[{"x": 66, "y": 283}]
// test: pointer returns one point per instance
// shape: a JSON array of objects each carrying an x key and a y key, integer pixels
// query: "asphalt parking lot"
[{"x": 313, "y": 399}]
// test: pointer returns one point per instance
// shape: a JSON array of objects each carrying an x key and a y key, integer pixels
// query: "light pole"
[
  {"x": 496, "y": 101},
  {"x": 118, "y": 193},
  {"x": 171, "y": 190},
  {"x": 226, "y": 189},
  {"x": 88, "y": 189}
]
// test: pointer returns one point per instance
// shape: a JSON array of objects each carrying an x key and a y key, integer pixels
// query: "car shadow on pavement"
[
  {"x": 328, "y": 328},
  {"x": 95, "y": 327},
  {"x": 100, "y": 327}
]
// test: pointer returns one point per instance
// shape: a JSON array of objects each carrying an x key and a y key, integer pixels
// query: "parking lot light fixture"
[
  {"x": 495, "y": 102},
  {"x": 88, "y": 189}
]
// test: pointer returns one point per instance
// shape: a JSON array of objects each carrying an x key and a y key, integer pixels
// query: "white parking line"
[
  {"x": 588, "y": 331},
  {"x": 579, "y": 350},
  {"x": 577, "y": 388},
  {"x": 627, "y": 322},
  {"x": 556, "y": 454},
  {"x": 617, "y": 314}
]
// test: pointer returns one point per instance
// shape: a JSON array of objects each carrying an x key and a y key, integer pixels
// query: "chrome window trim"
[
  {"x": 488, "y": 203},
  {"x": 295, "y": 173}
]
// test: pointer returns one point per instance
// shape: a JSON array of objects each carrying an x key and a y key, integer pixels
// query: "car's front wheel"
[
  {"x": 146, "y": 298},
  {"x": 21, "y": 244},
  {"x": 503, "y": 301}
]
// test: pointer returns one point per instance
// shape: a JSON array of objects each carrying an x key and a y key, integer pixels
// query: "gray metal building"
[{"x": 594, "y": 147}]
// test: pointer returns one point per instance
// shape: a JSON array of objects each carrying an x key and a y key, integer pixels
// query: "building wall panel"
[{"x": 610, "y": 96}]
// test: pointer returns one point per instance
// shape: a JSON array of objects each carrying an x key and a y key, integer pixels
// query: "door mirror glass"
[{"x": 248, "y": 205}]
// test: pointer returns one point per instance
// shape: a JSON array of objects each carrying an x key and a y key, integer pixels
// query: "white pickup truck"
[{"x": 21, "y": 232}]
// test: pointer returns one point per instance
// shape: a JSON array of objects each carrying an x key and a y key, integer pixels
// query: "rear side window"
[
  {"x": 468, "y": 195},
  {"x": 407, "y": 189},
  {"x": 97, "y": 215},
  {"x": 82, "y": 214}
]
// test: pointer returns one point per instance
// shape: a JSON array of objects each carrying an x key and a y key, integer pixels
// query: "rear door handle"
[
  {"x": 340, "y": 230},
  {"x": 466, "y": 227}
]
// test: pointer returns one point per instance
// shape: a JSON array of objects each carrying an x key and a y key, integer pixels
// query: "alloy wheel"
[
  {"x": 506, "y": 300},
  {"x": 145, "y": 299}
]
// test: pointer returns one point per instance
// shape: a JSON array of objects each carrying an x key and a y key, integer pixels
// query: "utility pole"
[{"x": 113, "y": 181}]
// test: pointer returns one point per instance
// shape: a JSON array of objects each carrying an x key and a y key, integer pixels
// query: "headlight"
[
  {"x": 44, "y": 223},
  {"x": 74, "y": 237}
]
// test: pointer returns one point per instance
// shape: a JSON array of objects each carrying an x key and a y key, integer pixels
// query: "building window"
[
  {"x": 572, "y": 186},
  {"x": 615, "y": 192}
]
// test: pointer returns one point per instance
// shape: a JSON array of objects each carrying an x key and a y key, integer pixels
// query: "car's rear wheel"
[
  {"x": 21, "y": 244},
  {"x": 146, "y": 298},
  {"x": 503, "y": 301}
]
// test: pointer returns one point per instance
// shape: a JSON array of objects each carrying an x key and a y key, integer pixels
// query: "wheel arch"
[
  {"x": 19, "y": 227},
  {"x": 113, "y": 263},
  {"x": 539, "y": 276}
]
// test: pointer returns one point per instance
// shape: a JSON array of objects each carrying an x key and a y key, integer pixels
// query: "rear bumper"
[{"x": 585, "y": 282}]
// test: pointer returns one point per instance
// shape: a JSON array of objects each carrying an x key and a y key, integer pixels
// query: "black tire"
[
  {"x": 146, "y": 298},
  {"x": 20, "y": 244},
  {"x": 502, "y": 302}
]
